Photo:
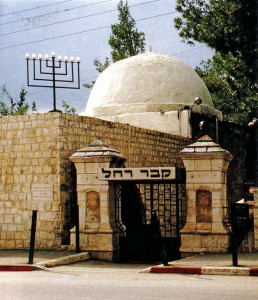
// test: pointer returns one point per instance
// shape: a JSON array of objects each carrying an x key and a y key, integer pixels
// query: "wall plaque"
[
  {"x": 93, "y": 207},
  {"x": 42, "y": 192},
  {"x": 203, "y": 206}
]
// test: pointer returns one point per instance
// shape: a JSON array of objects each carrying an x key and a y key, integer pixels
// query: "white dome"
[{"x": 148, "y": 82}]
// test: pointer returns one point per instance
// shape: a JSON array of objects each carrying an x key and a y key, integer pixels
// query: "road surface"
[{"x": 106, "y": 281}]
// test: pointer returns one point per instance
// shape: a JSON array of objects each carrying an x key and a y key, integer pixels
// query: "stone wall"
[
  {"x": 254, "y": 212},
  {"x": 35, "y": 149},
  {"x": 28, "y": 155}
]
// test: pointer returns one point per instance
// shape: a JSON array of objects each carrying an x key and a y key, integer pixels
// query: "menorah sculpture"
[{"x": 53, "y": 70}]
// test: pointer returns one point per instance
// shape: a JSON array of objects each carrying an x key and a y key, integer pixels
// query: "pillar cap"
[
  {"x": 95, "y": 150},
  {"x": 205, "y": 147}
]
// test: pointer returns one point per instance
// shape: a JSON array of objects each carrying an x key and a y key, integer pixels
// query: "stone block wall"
[
  {"x": 254, "y": 213},
  {"x": 35, "y": 149},
  {"x": 28, "y": 155},
  {"x": 142, "y": 147}
]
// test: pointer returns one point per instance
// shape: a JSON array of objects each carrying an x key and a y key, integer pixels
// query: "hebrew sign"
[
  {"x": 239, "y": 216},
  {"x": 162, "y": 173}
]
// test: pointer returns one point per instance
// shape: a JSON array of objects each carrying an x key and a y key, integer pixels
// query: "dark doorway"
[{"x": 149, "y": 216}]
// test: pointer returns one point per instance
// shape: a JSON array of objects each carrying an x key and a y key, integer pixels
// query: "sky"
[{"x": 80, "y": 28}]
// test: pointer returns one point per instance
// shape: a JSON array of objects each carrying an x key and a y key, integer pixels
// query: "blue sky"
[{"x": 80, "y": 28}]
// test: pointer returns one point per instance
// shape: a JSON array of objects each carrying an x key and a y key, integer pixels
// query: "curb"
[
  {"x": 50, "y": 263},
  {"x": 239, "y": 271},
  {"x": 176, "y": 270},
  {"x": 17, "y": 267},
  {"x": 253, "y": 271},
  {"x": 67, "y": 260}
]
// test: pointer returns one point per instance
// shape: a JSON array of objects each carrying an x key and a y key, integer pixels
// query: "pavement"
[
  {"x": 17, "y": 260},
  {"x": 201, "y": 264},
  {"x": 211, "y": 264}
]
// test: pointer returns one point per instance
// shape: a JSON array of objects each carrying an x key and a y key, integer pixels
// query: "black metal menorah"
[{"x": 52, "y": 70}]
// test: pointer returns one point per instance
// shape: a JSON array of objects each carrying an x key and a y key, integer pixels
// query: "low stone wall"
[{"x": 35, "y": 150}]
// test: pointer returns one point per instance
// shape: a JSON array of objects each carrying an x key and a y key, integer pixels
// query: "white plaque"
[{"x": 42, "y": 192}]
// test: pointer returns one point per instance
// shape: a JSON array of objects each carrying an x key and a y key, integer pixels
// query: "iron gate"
[{"x": 149, "y": 216}]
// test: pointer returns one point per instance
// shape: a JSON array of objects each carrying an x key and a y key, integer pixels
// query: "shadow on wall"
[
  {"x": 70, "y": 200},
  {"x": 239, "y": 140}
]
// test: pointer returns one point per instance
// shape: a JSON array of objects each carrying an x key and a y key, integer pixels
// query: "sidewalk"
[
  {"x": 17, "y": 260},
  {"x": 21, "y": 256},
  {"x": 202, "y": 264},
  {"x": 212, "y": 264}
]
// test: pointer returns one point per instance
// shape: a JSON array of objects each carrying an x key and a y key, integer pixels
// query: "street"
[{"x": 96, "y": 280}]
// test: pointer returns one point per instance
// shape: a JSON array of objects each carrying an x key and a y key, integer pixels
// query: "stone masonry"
[
  {"x": 98, "y": 231},
  {"x": 254, "y": 191},
  {"x": 206, "y": 186},
  {"x": 29, "y": 155},
  {"x": 35, "y": 150}
]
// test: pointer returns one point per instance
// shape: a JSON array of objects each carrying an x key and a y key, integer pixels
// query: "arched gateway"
[{"x": 130, "y": 214}]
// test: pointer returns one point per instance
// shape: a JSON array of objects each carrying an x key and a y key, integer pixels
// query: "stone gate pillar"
[
  {"x": 254, "y": 191},
  {"x": 206, "y": 185},
  {"x": 98, "y": 233}
]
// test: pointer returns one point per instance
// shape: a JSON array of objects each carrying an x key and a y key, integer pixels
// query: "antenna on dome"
[{"x": 197, "y": 101}]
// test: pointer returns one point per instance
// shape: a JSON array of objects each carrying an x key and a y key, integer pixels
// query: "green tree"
[
  {"x": 231, "y": 90},
  {"x": 125, "y": 40},
  {"x": 68, "y": 109},
  {"x": 34, "y": 107},
  {"x": 228, "y": 26},
  {"x": 21, "y": 107},
  {"x": 100, "y": 67}
]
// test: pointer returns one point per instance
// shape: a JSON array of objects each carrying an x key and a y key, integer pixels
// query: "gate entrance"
[{"x": 149, "y": 216}]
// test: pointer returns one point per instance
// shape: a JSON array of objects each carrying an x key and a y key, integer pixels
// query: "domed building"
[
  {"x": 152, "y": 91},
  {"x": 126, "y": 173}
]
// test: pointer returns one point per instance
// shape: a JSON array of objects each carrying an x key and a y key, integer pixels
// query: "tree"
[
  {"x": 230, "y": 89},
  {"x": 125, "y": 40},
  {"x": 100, "y": 67},
  {"x": 68, "y": 109},
  {"x": 228, "y": 26},
  {"x": 15, "y": 108},
  {"x": 34, "y": 107}
]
